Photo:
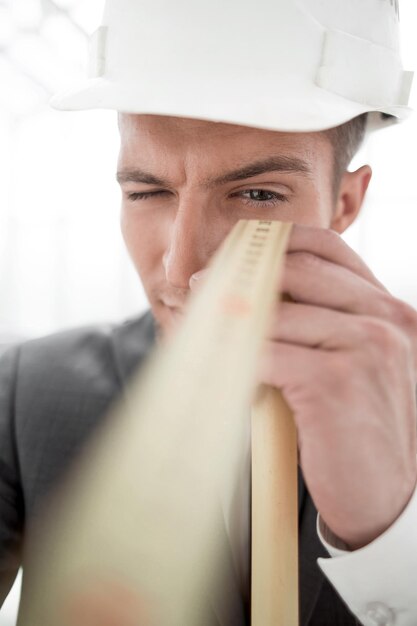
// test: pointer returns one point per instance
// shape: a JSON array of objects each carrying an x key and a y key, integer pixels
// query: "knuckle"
[
  {"x": 404, "y": 316},
  {"x": 384, "y": 336},
  {"x": 330, "y": 237},
  {"x": 302, "y": 259}
]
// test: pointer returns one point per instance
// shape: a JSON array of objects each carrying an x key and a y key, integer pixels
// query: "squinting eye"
[{"x": 144, "y": 195}]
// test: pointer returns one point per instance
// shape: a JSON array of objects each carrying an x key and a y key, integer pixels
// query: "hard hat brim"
[{"x": 310, "y": 108}]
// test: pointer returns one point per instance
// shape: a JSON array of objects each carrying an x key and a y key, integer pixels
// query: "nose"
[{"x": 188, "y": 245}]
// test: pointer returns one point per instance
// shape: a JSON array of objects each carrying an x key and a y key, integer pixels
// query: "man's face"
[{"x": 185, "y": 183}]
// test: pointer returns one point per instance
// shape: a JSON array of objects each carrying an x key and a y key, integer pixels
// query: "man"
[{"x": 213, "y": 130}]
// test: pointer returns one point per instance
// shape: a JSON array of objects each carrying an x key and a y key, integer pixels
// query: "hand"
[{"x": 344, "y": 353}]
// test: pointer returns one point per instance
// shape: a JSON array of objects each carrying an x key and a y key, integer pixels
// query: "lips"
[
  {"x": 177, "y": 312},
  {"x": 176, "y": 309},
  {"x": 173, "y": 304}
]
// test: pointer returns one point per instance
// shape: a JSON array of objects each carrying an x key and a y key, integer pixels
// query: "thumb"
[{"x": 197, "y": 280}]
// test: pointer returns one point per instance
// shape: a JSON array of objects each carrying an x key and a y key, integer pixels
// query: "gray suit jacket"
[{"x": 53, "y": 393}]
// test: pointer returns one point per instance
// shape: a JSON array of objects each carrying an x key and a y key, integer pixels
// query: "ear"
[{"x": 350, "y": 197}]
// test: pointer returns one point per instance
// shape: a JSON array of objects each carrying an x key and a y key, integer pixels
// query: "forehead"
[{"x": 169, "y": 138}]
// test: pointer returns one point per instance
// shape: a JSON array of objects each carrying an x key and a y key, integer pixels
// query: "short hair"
[{"x": 346, "y": 140}]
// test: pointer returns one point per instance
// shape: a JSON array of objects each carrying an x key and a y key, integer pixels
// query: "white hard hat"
[{"x": 291, "y": 65}]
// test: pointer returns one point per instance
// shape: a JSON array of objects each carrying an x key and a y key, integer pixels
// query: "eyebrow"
[
  {"x": 139, "y": 176},
  {"x": 292, "y": 165}
]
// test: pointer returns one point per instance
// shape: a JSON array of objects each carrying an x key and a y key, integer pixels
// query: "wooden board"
[{"x": 137, "y": 522}]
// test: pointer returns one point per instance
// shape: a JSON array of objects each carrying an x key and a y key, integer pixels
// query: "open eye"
[{"x": 261, "y": 197}]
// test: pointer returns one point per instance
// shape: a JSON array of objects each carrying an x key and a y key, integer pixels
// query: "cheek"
[
  {"x": 144, "y": 238},
  {"x": 313, "y": 208},
  {"x": 312, "y": 216}
]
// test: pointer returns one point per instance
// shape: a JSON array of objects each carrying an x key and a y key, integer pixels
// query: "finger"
[
  {"x": 323, "y": 329},
  {"x": 329, "y": 246},
  {"x": 287, "y": 367},
  {"x": 310, "y": 279},
  {"x": 323, "y": 243},
  {"x": 197, "y": 280}
]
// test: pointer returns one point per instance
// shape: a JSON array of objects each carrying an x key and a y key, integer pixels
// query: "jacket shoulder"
[
  {"x": 87, "y": 361},
  {"x": 63, "y": 387}
]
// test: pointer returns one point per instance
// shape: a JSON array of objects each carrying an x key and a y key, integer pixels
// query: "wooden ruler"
[
  {"x": 137, "y": 523},
  {"x": 274, "y": 512}
]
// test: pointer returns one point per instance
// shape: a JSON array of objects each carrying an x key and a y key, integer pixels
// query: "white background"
[{"x": 62, "y": 262}]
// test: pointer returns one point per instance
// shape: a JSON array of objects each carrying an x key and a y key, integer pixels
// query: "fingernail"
[{"x": 196, "y": 279}]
